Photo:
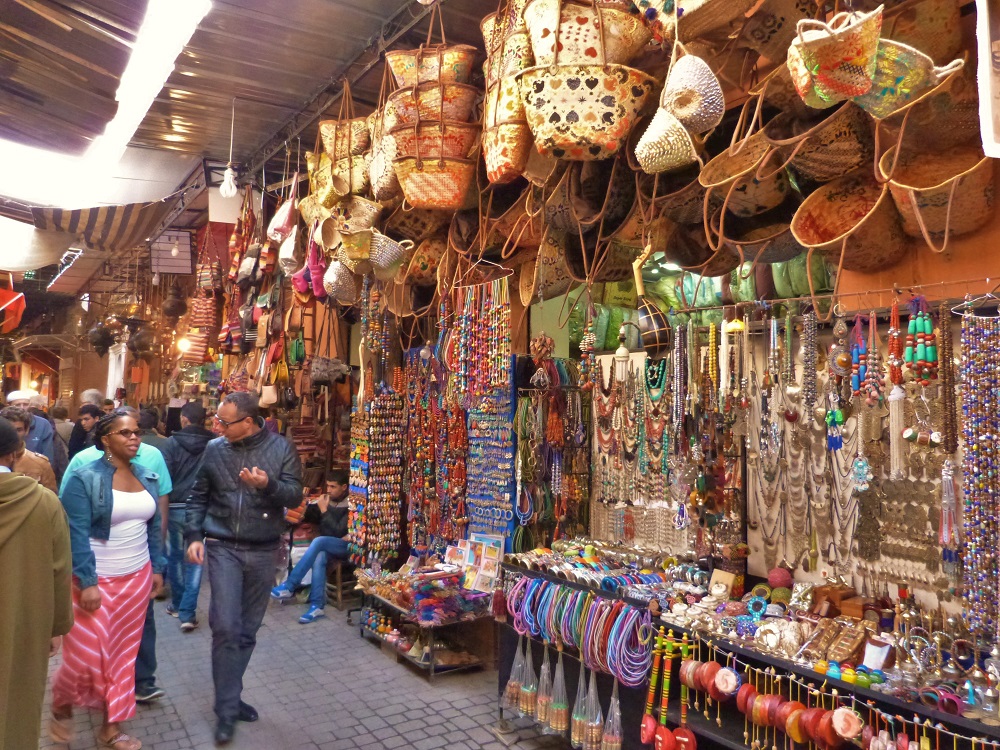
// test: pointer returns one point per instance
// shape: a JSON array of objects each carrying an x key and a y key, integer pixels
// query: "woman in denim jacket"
[{"x": 117, "y": 566}]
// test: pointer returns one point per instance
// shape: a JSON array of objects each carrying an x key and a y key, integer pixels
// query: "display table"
[
  {"x": 477, "y": 632},
  {"x": 722, "y": 725}
]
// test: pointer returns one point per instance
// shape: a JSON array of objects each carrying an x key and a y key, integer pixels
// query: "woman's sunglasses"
[{"x": 128, "y": 434}]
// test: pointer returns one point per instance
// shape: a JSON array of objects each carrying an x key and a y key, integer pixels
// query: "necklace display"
[
  {"x": 387, "y": 431},
  {"x": 482, "y": 331},
  {"x": 552, "y": 473},
  {"x": 436, "y": 448},
  {"x": 981, "y": 480}
]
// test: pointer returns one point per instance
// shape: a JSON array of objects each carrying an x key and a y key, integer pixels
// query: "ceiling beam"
[{"x": 402, "y": 22}]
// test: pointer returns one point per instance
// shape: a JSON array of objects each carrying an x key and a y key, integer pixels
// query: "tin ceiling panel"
[{"x": 60, "y": 63}]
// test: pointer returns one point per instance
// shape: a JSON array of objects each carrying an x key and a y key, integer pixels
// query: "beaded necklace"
[{"x": 979, "y": 368}]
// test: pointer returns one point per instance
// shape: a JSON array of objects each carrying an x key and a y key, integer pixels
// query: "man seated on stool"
[{"x": 329, "y": 511}]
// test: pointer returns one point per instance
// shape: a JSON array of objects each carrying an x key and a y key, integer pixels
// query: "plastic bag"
[
  {"x": 512, "y": 693},
  {"x": 612, "y": 739},
  {"x": 579, "y": 721},
  {"x": 559, "y": 709},
  {"x": 529, "y": 685},
  {"x": 543, "y": 703},
  {"x": 593, "y": 732}
]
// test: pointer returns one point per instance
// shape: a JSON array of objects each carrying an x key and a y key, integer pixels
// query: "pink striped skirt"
[{"x": 98, "y": 654}]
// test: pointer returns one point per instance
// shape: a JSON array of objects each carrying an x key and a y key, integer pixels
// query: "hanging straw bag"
[
  {"x": 387, "y": 256},
  {"x": 507, "y": 138},
  {"x": 902, "y": 74},
  {"x": 415, "y": 224},
  {"x": 703, "y": 18},
  {"x": 853, "y": 222},
  {"x": 381, "y": 175},
  {"x": 932, "y": 26},
  {"x": 821, "y": 150},
  {"x": 945, "y": 116},
  {"x": 771, "y": 29},
  {"x": 693, "y": 94},
  {"x": 764, "y": 238},
  {"x": 582, "y": 112},
  {"x": 547, "y": 276},
  {"x": 340, "y": 284},
  {"x": 733, "y": 173},
  {"x": 438, "y": 63},
  {"x": 941, "y": 193},
  {"x": 324, "y": 188},
  {"x": 347, "y": 135},
  {"x": 421, "y": 267},
  {"x": 838, "y": 57},
  {"x": 582, "y": 29}
]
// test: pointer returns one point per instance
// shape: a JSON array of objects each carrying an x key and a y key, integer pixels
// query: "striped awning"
[{"x": 105, "y": 228}]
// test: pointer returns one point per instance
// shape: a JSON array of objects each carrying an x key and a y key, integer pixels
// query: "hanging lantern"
[{"x": 174, "y": 305}]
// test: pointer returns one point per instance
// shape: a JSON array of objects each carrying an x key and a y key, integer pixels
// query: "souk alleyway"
[{"x": 317, "y": 686}]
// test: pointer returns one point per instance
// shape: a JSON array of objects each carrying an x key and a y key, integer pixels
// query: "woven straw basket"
[
  {"x": 702, "y": 18},
  {"x": 340, "y": 284},
  {"x": 825, "y": 150},
  {"x": 421, "y": 269},
  {"x": 440, "y": 184},
  {"x": 839, "y": 57},
  {"x": 765, "y": 238},
  {"x": 343, "y": 138},
  {"x": 436, "y": 63},
  {"x": 679, "y": 196},
  {"x": 851, "y": 220},
  {"x": 665, "y": 145},
  {"x": 387, "y": 256},
  {"x": 354, "y": 250},
  {"x": 771, "y": 28},
  {"x": 693, "y": 95},
  {"x": 430, "y": 101},
  {"x": 941, "y": 193},
  {"x": 945, "y": 116},
  {"x": 416, "y": 224},
  {"x": 433, "y": 139},
  {"x": 932, "y": 26},
  {"x": 581, "y": 31},
  {"x": 902, "y": 74},
  {"x": 582, "y": 112}
]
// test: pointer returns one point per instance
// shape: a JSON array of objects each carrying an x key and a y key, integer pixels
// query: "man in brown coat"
[
  {"x": 29, "y": 463},
  {"x": 36, "y": 606}
]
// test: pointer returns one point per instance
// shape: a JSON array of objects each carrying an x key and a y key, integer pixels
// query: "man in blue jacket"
[{"x": 235, "y": 519}]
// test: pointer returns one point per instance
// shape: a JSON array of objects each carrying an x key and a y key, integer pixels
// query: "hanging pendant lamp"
[{"x": 228, "y": 187}]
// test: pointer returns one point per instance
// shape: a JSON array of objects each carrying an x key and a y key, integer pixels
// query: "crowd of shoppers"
[{"x": 136, "y": 507}]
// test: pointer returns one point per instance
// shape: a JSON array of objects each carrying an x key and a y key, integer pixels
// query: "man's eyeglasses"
[
  {"x": 128, "y": 434},
  {"x": 226, "y": 423}
]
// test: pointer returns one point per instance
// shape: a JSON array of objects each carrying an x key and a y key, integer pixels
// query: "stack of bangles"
[{"x": 611, "y": 636}]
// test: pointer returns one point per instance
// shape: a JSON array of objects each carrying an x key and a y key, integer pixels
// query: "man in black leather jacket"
[{"x": 235, "y": 517}]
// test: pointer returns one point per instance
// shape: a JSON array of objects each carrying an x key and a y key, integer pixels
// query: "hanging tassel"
[
  {"x": 949, "y": 505},
  {"x": 896, "y": 426},
  {"x": 723, "y": 364}
]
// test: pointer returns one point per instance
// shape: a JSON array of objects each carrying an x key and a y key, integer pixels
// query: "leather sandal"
[
  {"x": 120, "y": 741},
  {"x": 61, "y": 729}
]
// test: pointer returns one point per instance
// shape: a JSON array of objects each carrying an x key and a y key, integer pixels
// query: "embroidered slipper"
[{"x": 120, "y": 741}]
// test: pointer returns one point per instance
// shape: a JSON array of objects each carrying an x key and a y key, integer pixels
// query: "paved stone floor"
[{"x": 316, "y": 686}]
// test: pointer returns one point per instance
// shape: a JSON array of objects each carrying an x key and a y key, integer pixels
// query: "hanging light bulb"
[
  {"x": 228, "y": 187},
  {"x": 156, "y": 279},
  {"x": 425, "y": 353},
  {"x": 175, "y": 250}
]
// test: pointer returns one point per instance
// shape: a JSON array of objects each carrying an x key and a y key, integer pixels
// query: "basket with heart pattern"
[{"x": 583, "y": 112}]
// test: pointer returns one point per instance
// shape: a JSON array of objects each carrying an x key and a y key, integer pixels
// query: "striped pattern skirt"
[{"x": 98, "y": 654}]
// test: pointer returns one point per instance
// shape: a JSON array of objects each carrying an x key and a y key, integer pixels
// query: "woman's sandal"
[
  {"x": 120, "y": 741},
  {"x": 61, "y": 729}
]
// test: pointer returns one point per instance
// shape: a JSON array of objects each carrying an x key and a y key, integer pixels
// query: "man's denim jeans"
[
  {"x": 184, "y": 576},
  {"x": 241, "y": 578},
  {"x": 315, "y": 559}
]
